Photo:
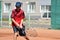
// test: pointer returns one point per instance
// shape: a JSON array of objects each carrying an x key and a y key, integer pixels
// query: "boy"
[{"x": 17, "y": 17}]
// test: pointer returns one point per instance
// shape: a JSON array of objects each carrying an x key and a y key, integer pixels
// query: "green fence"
[{"x": 55, "y": 14}]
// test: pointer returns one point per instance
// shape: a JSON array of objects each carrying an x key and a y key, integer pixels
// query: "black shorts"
[{"x": 21, "y": 31}]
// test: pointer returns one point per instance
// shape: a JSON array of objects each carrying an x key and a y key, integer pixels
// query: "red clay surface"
[{"x": 36, "y": 34}]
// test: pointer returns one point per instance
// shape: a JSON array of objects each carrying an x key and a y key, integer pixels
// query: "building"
[
  {"x": 41, "y": 8},
  {"x": 37, "y": 9}
]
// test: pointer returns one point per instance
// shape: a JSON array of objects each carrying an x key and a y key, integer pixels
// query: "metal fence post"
[
  {"x": 1, "y": 14},
  {"x": 9, "y": 18},
  {"x": 29, "y": 19}
]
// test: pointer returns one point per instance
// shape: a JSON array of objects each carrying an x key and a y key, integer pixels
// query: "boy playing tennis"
[{"x": 17, "y": 17}]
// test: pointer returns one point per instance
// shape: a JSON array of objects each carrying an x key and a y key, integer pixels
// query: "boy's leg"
[
  {"x": 23, "y": 33},
  {"x": 15, "y": 35},
  {"x": 26, "y": 37},
  {"x": 15, "y": 32}
]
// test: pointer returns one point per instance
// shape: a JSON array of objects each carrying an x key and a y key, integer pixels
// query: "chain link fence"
[{"x": 31, "y": 21}]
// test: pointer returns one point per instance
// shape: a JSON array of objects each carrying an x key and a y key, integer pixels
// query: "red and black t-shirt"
[{"x": 17, "y": 16}]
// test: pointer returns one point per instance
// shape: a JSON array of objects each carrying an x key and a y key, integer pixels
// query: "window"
[
  {"x": 45, "y": 11},
  {"x": 7, "y": 7},
  {"x": 43, "y": 8},
  {"x": 31, "y": 7}
]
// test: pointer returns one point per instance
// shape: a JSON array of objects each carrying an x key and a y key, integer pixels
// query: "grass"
[
  {"x": 7, "y": 19},
  {"x": 4, "y": 19}
]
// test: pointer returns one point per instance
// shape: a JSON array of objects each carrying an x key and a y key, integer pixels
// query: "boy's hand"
[{"x": 21, "y": 26}]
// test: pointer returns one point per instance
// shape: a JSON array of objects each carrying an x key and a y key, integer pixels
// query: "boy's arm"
[
  {"x": 23, "y": 16},
  {"x": 15, "y": 22},
  {"x": 21, "y": 23},
  {"x": 12, "y": 18}
]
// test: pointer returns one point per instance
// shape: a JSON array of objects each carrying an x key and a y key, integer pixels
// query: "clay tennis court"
[{"x": 33, "y": 34}]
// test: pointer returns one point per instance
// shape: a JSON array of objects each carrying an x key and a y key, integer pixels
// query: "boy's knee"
[{"x": 16, "y": 34}]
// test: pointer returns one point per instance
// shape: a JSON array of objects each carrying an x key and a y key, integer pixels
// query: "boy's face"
[{"x": 18, "y": 8}]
